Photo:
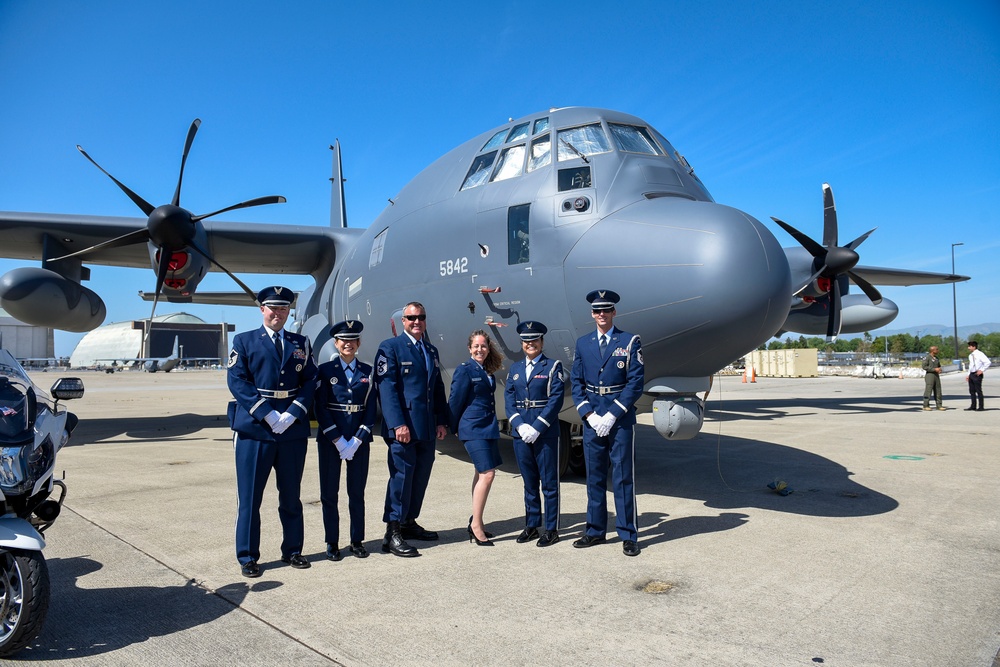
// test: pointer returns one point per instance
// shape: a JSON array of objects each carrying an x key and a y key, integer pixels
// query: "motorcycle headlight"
[{"x": 20, "y": 467}]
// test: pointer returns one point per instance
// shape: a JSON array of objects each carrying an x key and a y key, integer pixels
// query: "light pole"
[{"x": 954, "y": 299}]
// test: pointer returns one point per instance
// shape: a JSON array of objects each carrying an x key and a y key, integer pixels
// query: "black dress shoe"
[
  {"x": 548, "y": 538},
  {"x": 393, "y": 543},
  {"x": 298, "y": 561},
  {"x": 250, "y": 569},
  {"x": 630, "y": 548},
  {"x": 489, "y": 535},
  {"x": 412, "y": 530},
  {"x": 527, "y": 535},
  {"x": 588, "y": 541},
  {"x": 333, "y": 553},
  {"x": 358, "y": 550},
  {"x": 980, "y": 409}
]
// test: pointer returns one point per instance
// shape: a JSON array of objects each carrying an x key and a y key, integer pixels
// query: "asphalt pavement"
[{"x": 884, "y": 553}]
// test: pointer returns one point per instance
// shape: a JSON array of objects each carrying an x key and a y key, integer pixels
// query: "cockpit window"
[
  {"x": 541, "y": 152},
  {"x": 518, "y": 132},
  {"x": 479, "y": 172},
  {"x": 632, "y": 139},
  {"x": 541, "y": 125},
  {"x": 582, "y": 141},
  {"x": 511, "y": 163},
  {"x": 495, "y": 140}
]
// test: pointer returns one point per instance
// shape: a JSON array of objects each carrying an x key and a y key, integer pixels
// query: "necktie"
[
  {"x": 349, "y": 372},
  {"x": 427, "y": 357},
  {"x": 277, "y": 344},
  {"x": 604, "y": 345},
  {"x": 528, "y": 368}
]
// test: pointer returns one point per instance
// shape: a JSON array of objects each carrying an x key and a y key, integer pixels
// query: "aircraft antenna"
[{"x": 338, "y": 205}]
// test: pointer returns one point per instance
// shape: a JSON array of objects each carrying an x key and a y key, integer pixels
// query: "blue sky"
[{"x": 895, "y": 104}]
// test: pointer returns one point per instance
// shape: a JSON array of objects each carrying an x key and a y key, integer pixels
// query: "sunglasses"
[{"x": 415, "y": 318}]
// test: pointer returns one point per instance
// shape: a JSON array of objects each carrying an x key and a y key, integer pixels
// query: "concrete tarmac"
[{"x": 886, "y": 552}]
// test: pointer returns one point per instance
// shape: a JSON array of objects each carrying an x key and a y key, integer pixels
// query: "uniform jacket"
[
  {"x": 255, "y": 373},
  {"x": 408, "y": 396},
  {"x": 472, "y": 403},
  {"x": 545, "y": 384},
  {"x": 930, "y": 363},
  {"x": 622, "y": 368},
  {"x": 333, "y": 389}
]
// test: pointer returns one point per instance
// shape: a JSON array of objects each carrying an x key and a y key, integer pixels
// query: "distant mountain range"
[{"x": 943, "y": 330}]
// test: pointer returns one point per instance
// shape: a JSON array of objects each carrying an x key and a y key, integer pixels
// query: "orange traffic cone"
[{"x": 753, "y": 374}]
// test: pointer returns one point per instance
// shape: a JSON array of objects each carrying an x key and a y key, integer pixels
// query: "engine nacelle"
[
  {"x": 857, "y": 312},
  {"x": 46, "y": 299}
]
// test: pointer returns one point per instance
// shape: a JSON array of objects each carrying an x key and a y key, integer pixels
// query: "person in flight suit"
[
  {"x": 414, "y": 413},
  {"x": 533, "y": 398},
  {"x": 272, "y": 378},
  {"x": 345, "y": 406},
  {"x": 607, "y": 380},
  {"x": 472, "y": 404}
]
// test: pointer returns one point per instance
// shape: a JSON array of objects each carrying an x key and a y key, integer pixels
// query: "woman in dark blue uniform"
[
  {"x": 533, "y": 398},
  {"x": 345, "y": 410},
  {"x": 474, "y": 419}
]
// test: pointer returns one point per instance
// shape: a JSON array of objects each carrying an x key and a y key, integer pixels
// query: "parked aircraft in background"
[
  {"x": 517, "y": 223},
  {"x": 154, "y": 364}
]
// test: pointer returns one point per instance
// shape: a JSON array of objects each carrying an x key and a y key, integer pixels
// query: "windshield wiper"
[{"x": 575, "y": 150}]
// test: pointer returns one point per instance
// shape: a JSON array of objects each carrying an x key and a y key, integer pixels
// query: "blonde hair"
[{"x": 494, "y": 360}]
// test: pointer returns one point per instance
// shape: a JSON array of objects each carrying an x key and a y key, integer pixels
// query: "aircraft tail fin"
[
  {"x": 338, "y": 205},
  {"x": 176, "y": 351}
]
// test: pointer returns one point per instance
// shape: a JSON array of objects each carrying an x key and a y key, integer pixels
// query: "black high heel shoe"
[{"x": 482, "y": 543}]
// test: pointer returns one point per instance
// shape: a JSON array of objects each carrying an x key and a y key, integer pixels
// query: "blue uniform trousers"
[
  {"x": 409, "y": 473},
  {"x": 330, "y": 465},
  {"x": 618, "y": 449},
  {"x": 254, "y": 460},
  {"x": 539, "y": 464}
]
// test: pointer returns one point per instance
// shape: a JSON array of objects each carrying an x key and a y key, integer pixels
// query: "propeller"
[
  {"x": 170, "y": 227},
  {"x": 832, "y": 262}
]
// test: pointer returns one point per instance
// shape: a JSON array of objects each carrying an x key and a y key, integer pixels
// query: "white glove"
[
  {"x": 352, "y": 449},
  {"x": 284, "y": 421},
  {"x": 523, "y": 430},
  {"x": 607, "y": 421},
  {"x": 272, "y": 418},
  {"x": 532, "y": 435},
  {"x": 342, "y": 445},
  {"x": 594, "y": 420}
]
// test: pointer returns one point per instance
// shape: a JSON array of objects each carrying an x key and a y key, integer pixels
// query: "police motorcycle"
[{"x": 32, "y": 429}]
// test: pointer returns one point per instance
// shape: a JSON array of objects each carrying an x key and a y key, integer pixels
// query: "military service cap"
[
  {"x": 530, "y": 330},
  {"x": 349, "y": 330},
  {"x": 603, "y": 299},
  {"x": 275, "y": 296}
]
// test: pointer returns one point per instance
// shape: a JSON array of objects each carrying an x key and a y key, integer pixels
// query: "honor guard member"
[
  {"x": 414, "y": 413},
  {"x": 607, "y": 380},
  {"x": 272, "y": 378},
  {"x": 533, "y": 398},
  {"x": 345, "y": 409}
]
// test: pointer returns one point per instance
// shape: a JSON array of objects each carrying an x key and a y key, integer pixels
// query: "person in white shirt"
[{"x": 978, "y": 362}]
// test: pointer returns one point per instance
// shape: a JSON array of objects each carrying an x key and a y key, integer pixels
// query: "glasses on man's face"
[{"x": 415, "y": 318}]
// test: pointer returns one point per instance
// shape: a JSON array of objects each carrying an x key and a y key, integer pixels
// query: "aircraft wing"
[
  {"x": 242, "y": 247},
  {"x": 904, "y": 278},
  {"x": 207, "y": 298}
]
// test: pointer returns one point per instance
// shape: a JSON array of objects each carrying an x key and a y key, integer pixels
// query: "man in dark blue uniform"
[
  {"x": 272, "y": 378},
  {"x": 345, "y": 410},
  {"x": 414, "y": 413},
  {"x": 607, "y": 380},
  {"x": 533, "y": 398}
]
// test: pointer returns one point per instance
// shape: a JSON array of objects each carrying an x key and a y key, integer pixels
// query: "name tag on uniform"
[{"x": 477, "y": 379}]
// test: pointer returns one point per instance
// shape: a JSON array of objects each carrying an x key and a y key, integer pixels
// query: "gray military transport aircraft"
[{"x": 517, "y": 223}]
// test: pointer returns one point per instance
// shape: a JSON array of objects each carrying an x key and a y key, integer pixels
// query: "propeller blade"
[
  {"x": 161, "y": 275},
  {"x": 193, "y": 130},
  {"x": 829, "y": 217},
  {"x": 251, "y": 293},
  {"x": 146, "y": 207},
  {"x": 815, "y": 249},
  {"x": 259, "y": 201},
  {"x": 833, "y": 324},
  {"x": 809, "y": 282},
  {"x": 138, "y": 236},
  {"x": 870, "y": 290},
  {"x": 861, "y": 239}
]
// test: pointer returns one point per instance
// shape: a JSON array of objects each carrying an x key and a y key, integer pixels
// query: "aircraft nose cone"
[{"x": 701, "y": 283}]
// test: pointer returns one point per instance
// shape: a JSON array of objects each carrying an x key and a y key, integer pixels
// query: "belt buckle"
[{"x": 280, "y": 393}]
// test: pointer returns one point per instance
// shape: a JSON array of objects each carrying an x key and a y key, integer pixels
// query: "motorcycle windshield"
[{"x": 14, "y": 382}]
